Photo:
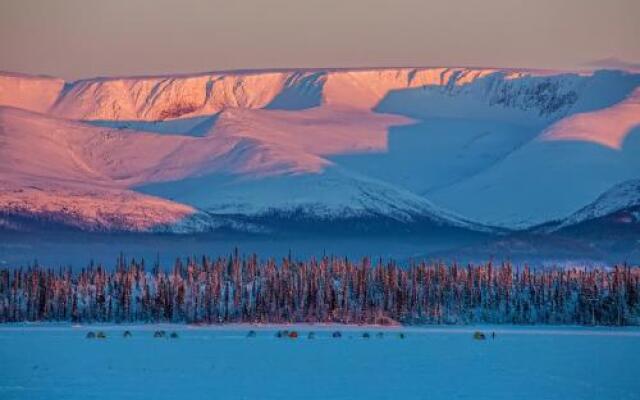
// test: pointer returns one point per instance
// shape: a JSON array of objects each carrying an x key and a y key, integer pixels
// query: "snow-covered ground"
[{"x": 58, "y": 362}]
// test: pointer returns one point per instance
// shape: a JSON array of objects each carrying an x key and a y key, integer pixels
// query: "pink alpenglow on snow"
[
  {"x": 94, "y": 209},
  {"x": 608, "y": 127},
  {"x": 326, "y": 142},
  {"x": 35, "y": 93}
]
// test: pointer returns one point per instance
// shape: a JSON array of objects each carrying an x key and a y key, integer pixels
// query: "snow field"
[{"x": 222, "y": 363}]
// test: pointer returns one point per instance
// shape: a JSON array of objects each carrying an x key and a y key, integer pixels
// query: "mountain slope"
[
  {"x": 619, "y": 205},
  {"x": 168, "y": 97},
  {"x": 561, "y": 170},
  {"x": 329, "y": 195},
  {"x": 33, "y": 93},
  {"x": 90, "y": 176},
  {"x": 506, "y": 147}
]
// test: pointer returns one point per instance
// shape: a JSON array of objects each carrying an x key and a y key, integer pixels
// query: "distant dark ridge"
[{"x": 328, "y": 290}]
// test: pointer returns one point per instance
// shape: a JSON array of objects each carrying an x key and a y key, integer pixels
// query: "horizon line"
[{"x": 267, "y": 70}]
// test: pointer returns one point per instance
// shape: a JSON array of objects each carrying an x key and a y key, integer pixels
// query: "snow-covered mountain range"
[
  {"x": 474, "y": 150},
  {"x": 618, "y": 207}
]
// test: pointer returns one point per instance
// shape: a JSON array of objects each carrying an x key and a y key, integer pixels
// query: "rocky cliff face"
[{"x": 169, "y": 97}]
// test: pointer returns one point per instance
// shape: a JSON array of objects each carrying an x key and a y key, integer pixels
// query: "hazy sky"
[{"x": 82, "y": 38}]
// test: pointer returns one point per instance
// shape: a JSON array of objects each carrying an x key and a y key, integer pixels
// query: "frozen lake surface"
[{"x": 58, "y": 362}]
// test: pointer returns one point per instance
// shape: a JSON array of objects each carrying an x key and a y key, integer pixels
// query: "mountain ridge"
[
  {"x": 52, "y": 165},
  {"x": 483, "y": 144},
  {"x": 276, "y": 80}
]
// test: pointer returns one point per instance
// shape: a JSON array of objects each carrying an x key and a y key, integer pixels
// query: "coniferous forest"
[{"x": 329, "y": 290}]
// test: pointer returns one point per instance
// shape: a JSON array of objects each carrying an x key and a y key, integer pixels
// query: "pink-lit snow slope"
[
  {"x": 607, "y": 127},
  {"x": 387, "y": 140}
]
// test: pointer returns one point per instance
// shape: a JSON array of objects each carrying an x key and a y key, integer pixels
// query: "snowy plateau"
[{"x": 504, "y": 154}]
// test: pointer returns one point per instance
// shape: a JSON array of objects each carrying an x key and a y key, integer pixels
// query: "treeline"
[{"x": 239, "y": 289}]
